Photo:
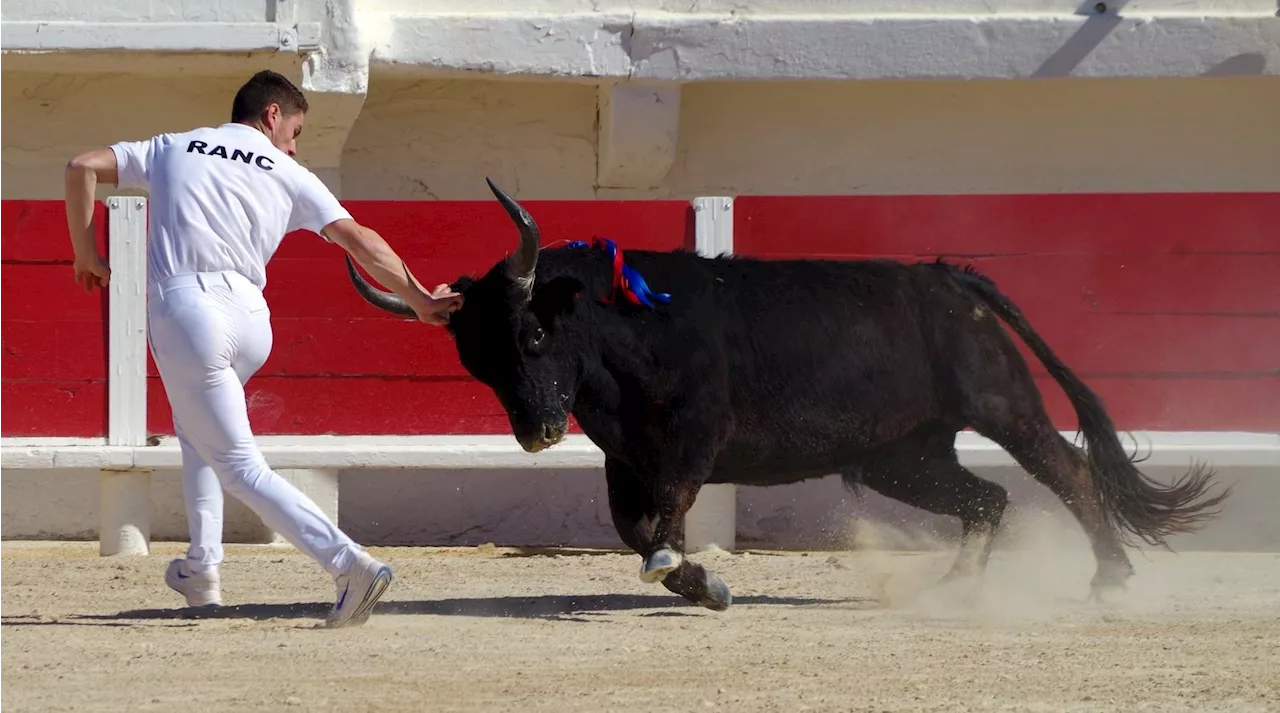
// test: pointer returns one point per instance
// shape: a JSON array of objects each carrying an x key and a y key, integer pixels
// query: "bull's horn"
[
  {"x": 520, "y": 265},
  {"x": 386, "y": 301}
]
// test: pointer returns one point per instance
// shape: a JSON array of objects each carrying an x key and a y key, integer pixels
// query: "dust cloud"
[{"x": 1040, "y": 569}]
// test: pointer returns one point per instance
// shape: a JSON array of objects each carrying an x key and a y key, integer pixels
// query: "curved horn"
[
  {"x": 520, "y": 265},
  {"x": 386, "y": 301}
]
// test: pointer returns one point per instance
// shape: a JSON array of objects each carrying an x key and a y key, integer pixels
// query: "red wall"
[
  {"x": 54, "y": 363},
  {"x": 1168, "y": 305}
]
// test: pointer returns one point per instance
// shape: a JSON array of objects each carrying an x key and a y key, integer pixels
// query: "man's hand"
[
  {"x": 442, "y": 302},
  {"x": 91, "y": 270}
]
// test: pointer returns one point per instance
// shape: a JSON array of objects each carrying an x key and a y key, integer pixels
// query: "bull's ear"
[
  {"x": 462, "y": 284},
  {"x": 555, "y": 298}
]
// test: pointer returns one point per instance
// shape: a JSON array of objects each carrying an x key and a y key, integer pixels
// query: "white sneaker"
[
  {"x": 201, "y": 589},
  {"x": 358, "y": 590}
]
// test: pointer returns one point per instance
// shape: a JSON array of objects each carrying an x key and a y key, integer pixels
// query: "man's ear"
[{"x": 555, "y": 298}]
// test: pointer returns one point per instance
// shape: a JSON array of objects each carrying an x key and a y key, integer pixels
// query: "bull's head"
[{"x": 512, "y": 334}]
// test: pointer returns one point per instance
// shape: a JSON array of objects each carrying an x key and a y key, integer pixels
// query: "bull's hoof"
[
  {"x": 959, "y": 574},
  {"x": 960, "y": 588},
  {"x": 659, "y": 565},
  {"x": 1106, "y": 593},
  {"x": 1112, "y": 574},
  {"x": 718, "y": 596}
]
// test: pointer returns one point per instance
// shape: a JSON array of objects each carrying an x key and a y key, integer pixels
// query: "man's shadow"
[{"x": 553, "y": 607}]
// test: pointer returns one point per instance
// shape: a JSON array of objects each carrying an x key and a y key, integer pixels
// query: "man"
[{"x": 222, "y": 199}]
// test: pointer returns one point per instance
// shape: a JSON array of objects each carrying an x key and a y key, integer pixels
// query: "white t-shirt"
[{"x": 221, "y": 199}]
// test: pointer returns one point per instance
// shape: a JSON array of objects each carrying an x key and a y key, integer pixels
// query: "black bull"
[{"x": 772, "y": 372}]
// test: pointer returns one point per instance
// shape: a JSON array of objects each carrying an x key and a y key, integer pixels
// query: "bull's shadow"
[{"x": 550, "y": 607}]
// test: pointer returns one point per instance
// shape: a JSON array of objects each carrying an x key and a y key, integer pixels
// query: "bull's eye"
[{"x": 535, "y": 339}]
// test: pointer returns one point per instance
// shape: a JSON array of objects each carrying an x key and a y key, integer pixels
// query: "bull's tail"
[{"x": 1131, "y": 501}]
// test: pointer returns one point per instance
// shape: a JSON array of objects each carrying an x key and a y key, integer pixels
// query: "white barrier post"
[
  {"x": 713, "y": 518},
  {"x": 125, "y": 527}
]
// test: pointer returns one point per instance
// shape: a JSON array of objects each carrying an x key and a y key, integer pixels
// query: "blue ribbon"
[{"x": 625, "y": 277}]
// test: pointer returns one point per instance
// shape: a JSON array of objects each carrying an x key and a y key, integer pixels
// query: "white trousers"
[{"x": 210, "y": 332}]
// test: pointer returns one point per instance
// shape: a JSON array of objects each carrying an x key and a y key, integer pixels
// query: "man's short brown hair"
[{"x": 261, "y": 91}]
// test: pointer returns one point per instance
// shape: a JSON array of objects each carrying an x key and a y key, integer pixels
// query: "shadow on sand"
[{"x": 555, "y": 607}]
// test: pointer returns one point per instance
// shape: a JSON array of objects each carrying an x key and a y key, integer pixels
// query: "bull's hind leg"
[
  {"x": 635, "y": 516},
  {"x": 1064, "y": 469},
  {"x": 933, "y": 480},
  {"x": 999, "y": 398},
  {"x": 1019, "y": 424}
]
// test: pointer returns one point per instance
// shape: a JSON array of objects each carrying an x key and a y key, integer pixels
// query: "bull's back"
[{"x": 825, "y": 359}]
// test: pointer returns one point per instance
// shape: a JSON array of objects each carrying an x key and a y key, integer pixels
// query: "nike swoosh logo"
[{"x": 183, "y": 576}]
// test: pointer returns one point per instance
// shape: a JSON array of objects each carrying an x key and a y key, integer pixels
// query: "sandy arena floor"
[{"x": 474, "y": 629}]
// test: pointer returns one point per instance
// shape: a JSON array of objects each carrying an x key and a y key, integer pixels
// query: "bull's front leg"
[
  {"x": 672, "y": 499},
  {"x": 638, "y": 515}
]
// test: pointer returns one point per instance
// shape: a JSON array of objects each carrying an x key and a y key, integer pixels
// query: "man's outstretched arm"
[
  {"x": 373, "y": 253},
  {"x": 83, "y": 174}
]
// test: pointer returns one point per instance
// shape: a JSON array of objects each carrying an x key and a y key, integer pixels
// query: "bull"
[{"x": 770, "y": 372}]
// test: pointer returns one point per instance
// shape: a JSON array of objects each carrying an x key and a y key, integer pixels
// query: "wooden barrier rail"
[{"x": 1167, "y": 305}]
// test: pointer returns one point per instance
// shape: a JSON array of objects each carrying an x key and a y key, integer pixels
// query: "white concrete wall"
[
  {"x": 439, "y": 138},
  {"x": 48, "y": 118},
  {"x": 422, "y": 100},
  {"x": 66, "y": 504},
  {"x": 810, "y": 7},
  {"x": 570, "y": 508}
]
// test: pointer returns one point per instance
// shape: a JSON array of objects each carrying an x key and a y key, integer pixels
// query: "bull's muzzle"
[{"x": 545, "y": 437}]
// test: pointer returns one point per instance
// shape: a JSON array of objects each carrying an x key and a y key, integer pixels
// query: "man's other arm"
[{"x": 83, "y": 174}]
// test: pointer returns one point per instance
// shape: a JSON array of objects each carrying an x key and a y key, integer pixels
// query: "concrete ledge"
[
  {"x": 324, "y": 452},
  {"x": 71, "y": 36},
  {"x": 670, "y": 47},
  {"x": 551, "y": 45},
  {"x": 1173, "y": 449},
  {"x": 1220, "y": 449},
  {"x": 689, "y": 47}
]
